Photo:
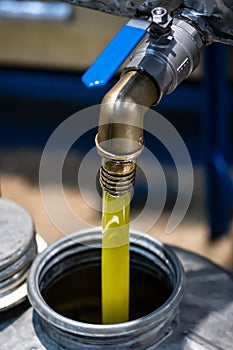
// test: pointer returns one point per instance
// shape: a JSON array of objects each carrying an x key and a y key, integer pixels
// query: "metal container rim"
[{"x": 98, "y": 330}]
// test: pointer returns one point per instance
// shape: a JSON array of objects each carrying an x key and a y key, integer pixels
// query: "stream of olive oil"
[{"x": 115, "y": 258}]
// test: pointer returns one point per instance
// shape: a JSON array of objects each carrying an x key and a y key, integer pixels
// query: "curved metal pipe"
[{"x": 120, "y": 136}]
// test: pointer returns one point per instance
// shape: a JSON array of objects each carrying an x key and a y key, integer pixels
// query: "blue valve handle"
[{"x": 115, "y": 53}]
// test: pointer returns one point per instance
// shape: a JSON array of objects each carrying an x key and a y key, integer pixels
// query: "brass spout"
[{"x": 120, "y": 136}]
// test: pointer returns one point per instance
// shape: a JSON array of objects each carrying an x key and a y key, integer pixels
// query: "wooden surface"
[{"x": 71, "y": 45}]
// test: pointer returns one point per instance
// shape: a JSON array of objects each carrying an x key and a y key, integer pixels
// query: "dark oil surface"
[{"x": 77, "y": 293}]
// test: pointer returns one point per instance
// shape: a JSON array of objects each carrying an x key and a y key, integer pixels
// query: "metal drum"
[{"x": 66, "y": 276}]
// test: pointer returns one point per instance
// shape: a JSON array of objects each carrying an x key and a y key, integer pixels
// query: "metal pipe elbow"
[{"x": 120, "y": 133}]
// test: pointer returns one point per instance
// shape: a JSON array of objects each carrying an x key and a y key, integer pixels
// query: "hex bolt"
[{"x": 159, "y": 15}]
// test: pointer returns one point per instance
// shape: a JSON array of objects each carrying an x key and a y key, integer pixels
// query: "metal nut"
[{"x": 159, "y": 15}]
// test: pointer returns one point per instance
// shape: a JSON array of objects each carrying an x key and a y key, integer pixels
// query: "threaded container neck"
[{"x": 17, "y": 246}]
